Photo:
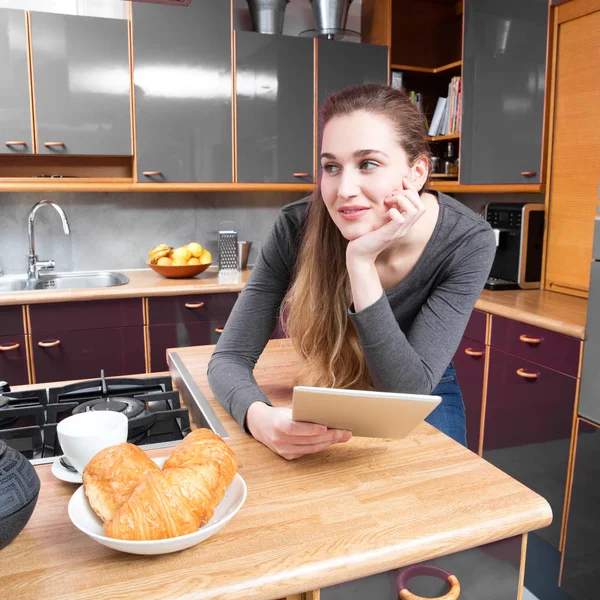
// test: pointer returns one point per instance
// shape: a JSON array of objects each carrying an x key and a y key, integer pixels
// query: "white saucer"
[{"x": 64, "y": 474}]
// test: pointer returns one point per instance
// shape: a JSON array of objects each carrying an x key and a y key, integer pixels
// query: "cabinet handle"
[
  {"x": 9, "y": 348},
  {"x": 49, "y": 344},
  {"x": 529, "y": 173},
  {"x": 191, "y": 305},
  {"x": 530, "y": 340},
  {"x": 523, "y": 373},
  {"x": 218, "y": 330},
  {"x": 427, "y": 570},
  {"x": 472, "y": 352},
  {"x": 151, "y": 173},
  {"x": 15, "y": 143},
  {"x": 53, "y": 144},
  {"x": 301, "y": 174}
]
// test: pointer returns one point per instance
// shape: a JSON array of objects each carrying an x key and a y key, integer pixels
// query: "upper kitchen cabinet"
[
  {"x": 504, "y": 77},
  {"x": 183, "y": 92},
  {"x": 341, "y": 64},
  {"x": 15, "y": 105},
  {"x": 81, "y": 83},
  {"x": 275, "y": 108}
]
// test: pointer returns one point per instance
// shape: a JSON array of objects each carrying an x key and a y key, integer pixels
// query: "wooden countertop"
[
  {"x": 550, "y": 310},
  {"x": 359, "y": 508},
  {"x": 142, "y": 283}
]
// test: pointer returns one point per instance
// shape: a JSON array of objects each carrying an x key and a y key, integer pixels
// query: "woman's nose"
[{"x": 348, "y": 187}]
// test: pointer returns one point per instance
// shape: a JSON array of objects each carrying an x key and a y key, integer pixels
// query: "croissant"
[
  {"x": 139, "y": 501},
  {"x": 169, "y": 503},
  {"x": 202, "y": 445},
  {"x": 112, "y": 476}
]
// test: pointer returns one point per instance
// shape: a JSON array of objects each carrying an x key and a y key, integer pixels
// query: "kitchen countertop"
[
  {"x": 550, "y": 310},
  {"x": 142, "y": 283},
  {"x": 358, "y": 508}
]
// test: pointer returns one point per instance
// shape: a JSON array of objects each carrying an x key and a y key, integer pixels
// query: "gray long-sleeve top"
[{"x": 408, "y": 336}]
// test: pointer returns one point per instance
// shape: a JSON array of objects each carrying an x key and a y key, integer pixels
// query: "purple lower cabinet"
[
  {"x": 81, "y": 354},
  {"x": 85, "y": 315},
  {"x": 13, "y": 360},
  {"x": 180, "y": 335},
  {"x": 469, "y": 362},
  {"x": 11, "y": 320},
  {"x": 476, "y": 327},
  {"x": 527, "y": 432},
  {"x": 526, "y": 403},
  {"x": 163, "y": 310}
]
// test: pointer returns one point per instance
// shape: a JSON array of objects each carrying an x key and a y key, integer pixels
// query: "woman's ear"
[{"x": 420, "y": 171}]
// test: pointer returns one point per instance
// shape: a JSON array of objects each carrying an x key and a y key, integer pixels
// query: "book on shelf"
[
  {"x": 448, "y": 111},
  {"x": 417, "y": 99}
]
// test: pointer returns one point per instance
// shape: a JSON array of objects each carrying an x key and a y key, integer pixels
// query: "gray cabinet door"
[
  {"x": 81, "y": 84},
  {"x": 15, "y": 105},
  {"x": 504, "y": 79},
  {"x": 183, "y": 91},
  {"x": 275, "y": 108},
  {"x": 342, "y": 64},
  {"x": 589, "y": 393}
]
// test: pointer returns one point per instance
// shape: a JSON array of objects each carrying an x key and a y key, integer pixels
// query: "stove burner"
[
  {"x": 114, "y": 405},
  {"x": 140, "y": 420}
]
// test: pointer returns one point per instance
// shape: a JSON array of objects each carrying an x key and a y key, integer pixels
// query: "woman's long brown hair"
[{"x": 316, "y": 305}]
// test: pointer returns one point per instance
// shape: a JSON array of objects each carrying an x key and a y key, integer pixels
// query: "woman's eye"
[
  {"x": 330, "y": 168},
  {"x": 368, "y": 165}
]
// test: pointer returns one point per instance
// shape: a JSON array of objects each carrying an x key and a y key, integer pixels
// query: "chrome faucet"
[{"x": 35, "y": 265}]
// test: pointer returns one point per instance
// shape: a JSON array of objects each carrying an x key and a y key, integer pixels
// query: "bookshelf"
[{"x": 426, "y": 48}]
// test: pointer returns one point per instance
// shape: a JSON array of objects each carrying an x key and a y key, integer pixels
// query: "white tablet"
[{"x": 364, "y": 413}]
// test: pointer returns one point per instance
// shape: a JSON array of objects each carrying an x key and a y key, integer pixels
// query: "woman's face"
[{"x": 362, "y": 163}]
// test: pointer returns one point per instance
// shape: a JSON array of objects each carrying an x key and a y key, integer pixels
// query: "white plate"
[
  {"x": 86, "y": 520},
  {"x": 64, "y": 474}
]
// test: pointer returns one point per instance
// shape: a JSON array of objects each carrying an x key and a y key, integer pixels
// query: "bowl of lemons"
[{"x": 179, "y": 263}]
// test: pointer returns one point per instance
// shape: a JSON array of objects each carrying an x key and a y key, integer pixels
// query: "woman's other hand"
[
  {"x": 275, "y": 428},
  {"x": 405, "y": 209}
]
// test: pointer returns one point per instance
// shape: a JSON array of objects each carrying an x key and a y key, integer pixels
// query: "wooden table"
[{"x": 359, "y": 508}]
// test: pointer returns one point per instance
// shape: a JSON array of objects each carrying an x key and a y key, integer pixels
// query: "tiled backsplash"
[{"x": 115, "y": 231}]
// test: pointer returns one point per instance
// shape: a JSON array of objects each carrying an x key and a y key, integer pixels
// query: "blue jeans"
[{"x": 449, "y": 416}]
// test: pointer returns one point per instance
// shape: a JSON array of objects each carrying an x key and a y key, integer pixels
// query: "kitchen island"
[{"x": 359, "y": 508}]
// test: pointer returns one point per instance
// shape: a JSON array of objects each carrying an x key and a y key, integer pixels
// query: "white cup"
[{"x": 83, "y": 435}]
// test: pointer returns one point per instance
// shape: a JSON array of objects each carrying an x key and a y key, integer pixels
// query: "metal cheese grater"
[{"x": 228, "y": 250}]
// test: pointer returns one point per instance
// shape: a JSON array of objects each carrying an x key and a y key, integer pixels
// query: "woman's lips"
[{"x": 352, "y": 213}]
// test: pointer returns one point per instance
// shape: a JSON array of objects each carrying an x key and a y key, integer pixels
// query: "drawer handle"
[
  {"x": 523, "y": 373},
  {"x": 427, "y": 570},
  {"x": 472, "y": 352},
  {"x": 191, "y": 305},
  {"x": 218, "y": 330},
  {"x": 53, "y": 144},
  {"x": 151, "y": 173},
  {"x": 49, "y": 344},
  {"x": 530, "y": 340},
  {"x": 301, "y": 174},
  {"x": 9, "y": 348},
  {"x": 529, "y": 173},
  {"x": 15, "y": 143}
]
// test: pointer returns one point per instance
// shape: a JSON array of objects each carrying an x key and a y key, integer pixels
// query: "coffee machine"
[{"x": 519, "y": 231}]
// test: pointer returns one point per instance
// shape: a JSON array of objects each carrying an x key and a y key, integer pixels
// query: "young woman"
[{"x": 377, "y": 276}]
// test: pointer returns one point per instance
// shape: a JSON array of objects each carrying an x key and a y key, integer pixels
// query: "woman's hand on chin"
[
  {"x": 405, "y": 209},
  {"x": 290, "y": 439}
]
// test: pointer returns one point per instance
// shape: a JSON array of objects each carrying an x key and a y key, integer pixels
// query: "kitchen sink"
[
  {"x": 69, "y": 281},
  {"x": 12, "y": 284},
  {"x": 64, "y": 281}
]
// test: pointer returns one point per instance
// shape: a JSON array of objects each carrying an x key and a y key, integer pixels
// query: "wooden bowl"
[{"x": 182, "y": 272}]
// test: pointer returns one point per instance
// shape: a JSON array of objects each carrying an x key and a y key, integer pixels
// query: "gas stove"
[{"x": 28, "y": 419}]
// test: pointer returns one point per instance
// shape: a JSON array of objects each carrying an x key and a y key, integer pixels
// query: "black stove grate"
[{"x": 28, "y": 423}]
